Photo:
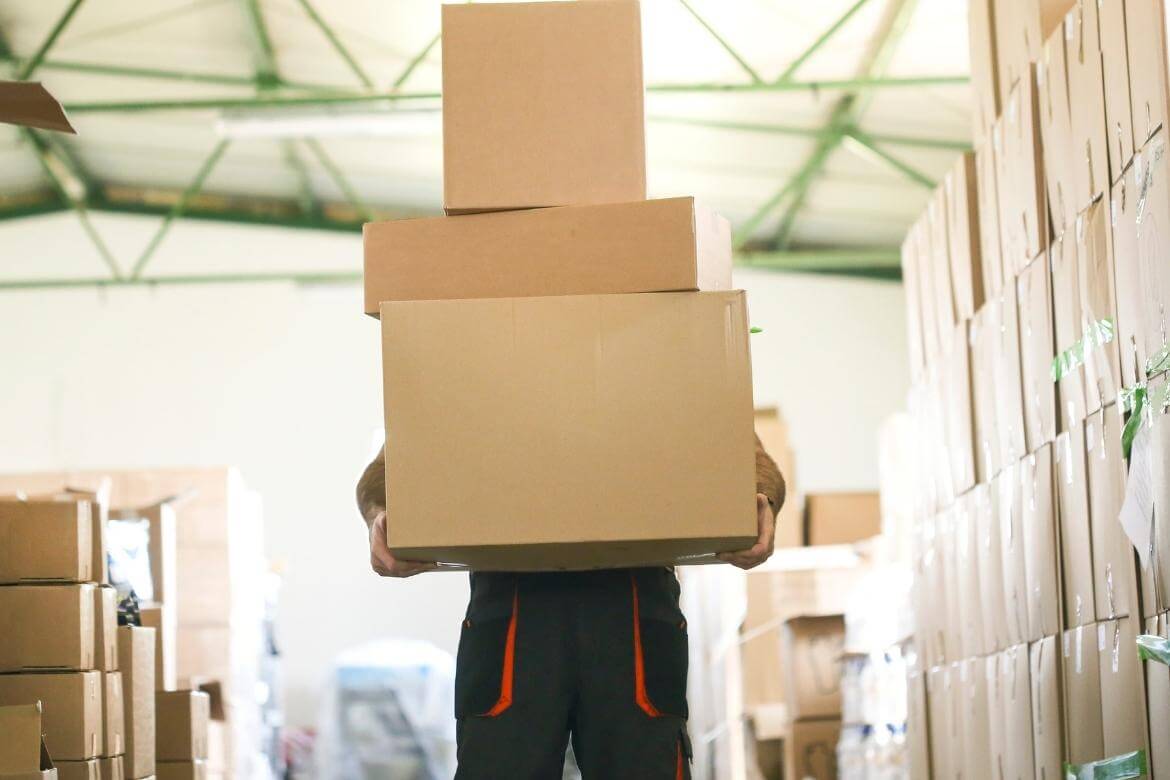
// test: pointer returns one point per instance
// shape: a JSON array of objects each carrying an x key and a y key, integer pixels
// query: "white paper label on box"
[{"x": 1137, "y": 511}]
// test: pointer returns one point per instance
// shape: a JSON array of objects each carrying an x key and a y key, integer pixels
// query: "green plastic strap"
[
  {"x": 1135, "y": 399},
  {"x": 1158, "y": 363},
  {"x": 1126, "y": 765},
  {"x": 754, "y": 331},
  {"x": 1100, "y": 333},
  {"x": 1154, "y": 648}
]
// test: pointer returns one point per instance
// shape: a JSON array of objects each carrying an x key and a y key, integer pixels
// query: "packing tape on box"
[
  {"x": 1141, "y": 403},
  {"x": 1159, "y": 363},
  {"x": 1100, "y": 333},
  {"x": 1126, "y": 765},
  {"x": 1152, "y": 647}
]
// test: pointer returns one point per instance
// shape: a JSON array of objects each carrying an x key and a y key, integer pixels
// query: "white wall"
[{"x": 284, "y": 382}]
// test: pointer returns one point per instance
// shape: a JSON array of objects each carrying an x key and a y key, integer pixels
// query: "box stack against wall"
[{"x": 1037, "y": 286}]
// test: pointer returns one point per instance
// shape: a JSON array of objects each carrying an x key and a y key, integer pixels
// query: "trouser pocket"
[
  {"x": 660, "y": 646},
  {"x": 486, "y": 661}
]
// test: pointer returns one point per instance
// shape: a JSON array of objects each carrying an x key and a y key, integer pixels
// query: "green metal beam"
[
  {"x": 415, "y": 61},
  {"x": 851, "y": 85},
  {"x": 284, "y": 215},
  {"x": 865, "y": 146},
  {"x": 943, "y": 144},
  {"x": 822, "y": 259},
  {"x": 337, "y": 277},
  {"x": 335, "y": 41},
  {"x": 263, "y": 53},
  {"x": 292, "y": 159},
  {"x": 180, "y": 205},
  {"x": 821, "y": 40},
  {"x": 339, "y": 178},
  {"x": 38, "y": 57},
  {"x": 747, "y": 68}
]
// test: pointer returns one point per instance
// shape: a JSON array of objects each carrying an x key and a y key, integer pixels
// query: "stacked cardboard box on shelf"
[
  {"x": 581, "y": 342},
  {"x": 1029, "y": 593}
]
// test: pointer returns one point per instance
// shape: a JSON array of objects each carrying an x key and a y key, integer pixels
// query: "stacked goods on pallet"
[{"x": 1029, "y": 592}]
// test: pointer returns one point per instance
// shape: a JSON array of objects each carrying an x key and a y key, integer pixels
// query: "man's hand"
[
  {"x": 383, "y": 561},
  {"x": 766, "y": 522}
]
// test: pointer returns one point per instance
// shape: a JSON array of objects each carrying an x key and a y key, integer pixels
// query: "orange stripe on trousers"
[
  {"x": 640, "y": 697},
  {"x": 505, "y": 700}
]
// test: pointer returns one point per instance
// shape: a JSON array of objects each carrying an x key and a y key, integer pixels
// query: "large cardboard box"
[
  {"x": 1056, "y": 131},
  {"x": 962, "y": 201},
  {"x": 1013, "y": 679},
  {"x": 112, "y": 768},
  {"x": 1146, "y": 39},
  {"x": 813, "y": 645},
  {"x": 1037, "y": 350},
  {"x": 989, "y": 555},
  {"x": 1021, "y": 27},
  {"x": 1042, "y": 569},
  {"x": 841, "y": 518},
  {"x": 45, "y": 541},
  {"x": 594, "y": 431},
  {"x": 1118, "y": 101},
  {"x": 1086, "y": 92},
  {"x": 22, "y": 751},
  {"x": 181, "y": 722},
  {"x": 1123, "y": 691},
  {"x": 989, "y": 238},
  {"x": 1009, "y": 496},
  {"x": 645, "y": 246},
  {"x": 912, "y": 282},
  {"x": 937, "y": 216},
  {"x": 1009, "y": 393},
  {"x": 1128, "y": 276},
  {"x": 1152, "y": 174},
  {"x": 1047, "y": 707},
  {"x": 136, "y": 659},
  {"x": 954, "y": 373},
  {"x": 205, "y": 652},
  {"x": 79, "y": 770},
  {"x": 1019, "y": 160},
  {"x": 1084, "y": 740},
  {"x": 182, "y": 770},
  {"x": 974, "y": 708},
  {"x": 1158, "y": 702},
  {"x": 811, "y": 750},
  {"x": 105, "y": 628},
  {"x": 1076, "y": 546},
  {"x": 773, "y": 432},
  {"x": 968, "y": 612},
  {"x": 161, "y": 618},
  {"x": 1098, "y": 306},
  {"x": 945, "y": 732},
  {"x": 1066, "y": 314},
  {"x": 927, "y": 286},
  {"x": 917, "y": 727},
  {"x": 984, "y": 337},
  {"x": 984, "y": 68},
  {"x": 1115, "y": 583},
  {"x": 29, "y": 104},
  {"x": 113, "y": 715},
  {"x": 542, "y": 105},
  {"x": 47, "y": 628},
  {"x": 72, "y": 703}
]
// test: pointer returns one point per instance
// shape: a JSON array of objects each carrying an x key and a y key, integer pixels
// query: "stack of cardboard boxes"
[
  {"x": 183, "y": 719},
  {"x": 566, "y": 352},
  {"x": 1037, "y": 289}
]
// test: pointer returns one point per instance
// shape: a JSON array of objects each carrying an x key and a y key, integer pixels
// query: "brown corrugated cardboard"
[
  {"x": 1102, "y": 369},
  {"x": 136, "y": 660},
  {"x": 1023, "y": 220},
  {"x": 112, "y": 768},
  {"x": 1159, "y": 438},
  {"x": 969, "y": 617},
  {"x": 47, "y": 627},
  {"x": 542, "y": 105},
  {"x": 160, "y": 522},
  {"x": 1034, "y": 294},
  {"x": 207, "y": 580},
  {"x": 45, "y": 541},
  {"x": 1066, "y": 311},
  {"x": 181, "y": 722},
  {"x": 161, "y": 618},
  {"x": 773, "y": 432},
  {"x": 1123, "y": 692},
  {"x": 913, "y": 285},
  {"x": 943, "y": 732},
  {"x": 1009, "y": 394},
  {"x": 1081, "y": 671},
  {"x": 927, "y": 300},
  {"x": 812, "y": 675},
  {"x": 1127, "y": 271},
  {"x": 975, "y": 715},
  {"x": 989, "y": 554},
  {"x": 1021, "y": 27},
  {"x": 1115, "y": 67},
  {"x": 575, "y": 415},
  {"x": 72, "y": 703},
  {"x": 1015, "y": 694},
  {"x": 113, "y": 714},
  {"x": 841, "y": 518},
  {"x": 947, "y": 603},
  {"x": 984, "y": 68},
  {"x": 1075, "y": 537},
  {"x": 22, "y": 751},
  {"x": 962, "y": 201},
  {"x": 984, "y": 337},
  {"x": 182, "y": 770},
  {"x": 105, "y": 621},
  {"x": 917, "y": 727},
  {"x": 1047, "y": 707},
  {"x": 812, "y": 750},
  {"x": 644, "y": 246},
  {"x": 937, "y": 216},
  {"x": 1146, "y": 38},
  {"x": 1114, "y": 561},
  {"x": 1158, "y": 703},
  {"x": 29, "y": 104},
  {"x": 1008, "y": 493},
  {"x": 204, "y": 652},
  {"x": 1086, "y": 92},
  {"x": 958, "y": 411},
  {"x": 997, "y": 736},
  {"x": 1151, "y": 170},
  {"x": 989, "y": 239},
  {"x": 1056, "y": 131},
  {"x": 79, "y": 770},
  {"x": 97, "y": 496},
  {"x": 1042, "y": 568}
]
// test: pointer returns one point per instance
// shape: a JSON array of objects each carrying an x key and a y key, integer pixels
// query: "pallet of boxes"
[
  {"x": 566, "y": 370},
  {"x": 1038, "y": 284}
]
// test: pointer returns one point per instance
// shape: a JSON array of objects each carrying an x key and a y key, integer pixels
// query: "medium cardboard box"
[
  {"x": 958, "y": 412},
  {"x": 45, "y": 541},
  {"x": 984, "y": 68},
  {"x": 1034, "y": 295},
  {"x": 997, "y": 737},
  {"x": 1009, "y": 394},
  {"x": 1159, "y": 437},
  {"x": 181, "y": 719},
  {"x": 1152, "y": 173},
  {"x": 208, "y": 583},
  {"x": 1023, "y": 212},
  {"x": 1098, "y": 306},
  {"x": 47, "y": 627},
  {"x": 1086, "y": 97},
  {"x": 812, "y": 675},
  {"x": 984, "y": 337},
  {"x": 1075, "y": 535},
  {"x": 944, "y": 732},
  {"x": 937, "y": 216},
  {"x": 1042, "y": 569},
  {"x": 986, "y": 189},
  {"x": 97, "y": 496},
  {"x": 1066, "y": 313},
  {"x": 105, "y": 628},
  {"x": 969, "y": 613},
  {"x": 1158, "y": 703},
  {"x": 22, "y": 751},
  {"x": 1021, "y": 26},
  {"x": 1015, "y": 695},
  {"x": 542, "y": 105},
  {"x": 975, "y": 716},
  {"x": 912, "y": 283},
  {"x": 72, "y": 703},
  {"x": 1082, "y": 695},
  {"x": 112, "y": 768},
  {"x": 989, "y": 555},
  {"x": 1146, "y": 38},
  {"x": 1115, "y": 582},
  {"x": 113, "y": 715},
  {"x": 773, "y": 432},
  {"x": 962, "y": 201},
  {"x": 1047, "y": 707},
  {"x": 1123, "y": 691},
  {"x": 665, "y": 245},
  {"x": 1115, "y": 69},
  {"x": 205, "y": 652},
  {"x": 79, "y": 770},
  {"x": 182, "y": 770},
  {"x": 811, "y": 750},
  {"x": 841, "y": 518},
  {"x": 29, "y": 104},
  {"x": 950, "y": 532},
  {"x": 1056, "y": 131},
  {"x": 1009, "y": 495},
  {"x": 1128, "y": 278},
  {"x": 928, "y": 298},
  {"x": 162, "y": 619},
  {"x": 136, "y": 660},
  {"x": 917, "y": 727},
  {"x": 595, "y": 431}
]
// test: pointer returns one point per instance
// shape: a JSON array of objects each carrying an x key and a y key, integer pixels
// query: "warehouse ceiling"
[{"x": 817, "y": 128}]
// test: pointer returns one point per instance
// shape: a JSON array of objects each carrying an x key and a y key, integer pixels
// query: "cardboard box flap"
[
  {"x": 29, "y": 104},
  {"x": 22, "y": 748}
]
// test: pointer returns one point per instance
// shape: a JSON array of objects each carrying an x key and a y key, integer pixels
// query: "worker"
[{"x": 599, "y": 657}]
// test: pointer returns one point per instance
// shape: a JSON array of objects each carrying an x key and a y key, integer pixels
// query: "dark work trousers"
[{"x": 598, "y": 656}]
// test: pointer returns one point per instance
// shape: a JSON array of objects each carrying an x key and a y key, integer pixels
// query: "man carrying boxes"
[{"x": 567, "y": 395}]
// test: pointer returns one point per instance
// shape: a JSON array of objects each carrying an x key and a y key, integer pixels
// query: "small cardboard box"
[
  {"x": 665, "y": 245},
  {"x": 23, "y": 755},
  {"x": 1082, "y": 695},
  {"x": 1015, "y": 695},
  {"x": 812, "y": 646},
  {"x": 595, "y": 431},
  {"x": 967, "y": 608},
  {"x": 113, "y": 714},
  {"x": 1056, "y": 131},
  {"x": 97, "y": 496},
  {"x": 1034, "y": 294},
  {"x": 975, "y": 716},
  {"x": 841, "y": 518},
  {"x": 1042, "y": 568},
  {"x": 944, "y": 730},
  {"x": 1047, "y": 707},
  {"x": 1076, "y": 546},
  {"x": 182, "y": 770},
  {"x": 958, "y": 409},
  {"x": 986, "y": 189},
  {"x": 1023, "y": 212},
  {"x": 1098, "y": 306},
  {"x": 1146, "y": 38},
  {"x": 79, "y": 770},
  {"x": 1086, "y": 97},
  {"x": 962, "y": 200},
  {"x": 1129, "y": 278},
  {"x": 112, "y": 768},
  {"x": 29, "y": 104},
  {"x": 989, "y": 557},
  {"x": 542, "y": 105},
  {"x": 182, "y": 718},
  {"x": 984, "y": 68},
  {"x": 105, "y": 628},
  {"x": 47, "y": 627},
  {"x": 1009, "y": 393},
  {"x": 1020, "y": 28},
  {"x": 1013, "y": 555},
  {"x": 811, "y": 750},
  {"x": 162, "y": 619},
  {"x": 72, "y": 703},
  {"x": 45, "y": 541},
  {"x": 917, "y": 727},
  {"x": 772, "y": 429},
  {"x": 927, "y": 297},
  {"x": 1115, "y": 583},
  {"x": 1118, "y": 101},
  {"x": 1123, "y": 690},
  {"x": 937, "y": 216},
  {"x": 984, "y": 337},
  {"x": 136, "y": 661},
  {"x": 1066, "y": 315}
]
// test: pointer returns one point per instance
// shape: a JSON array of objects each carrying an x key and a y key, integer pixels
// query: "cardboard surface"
[
  {"x": 773, "y": 432},
  {"x": 105, "y": 630},
  {"x": 1146, "y": 38},
  {"x": 1082, "y": 695},
  {"x": 968, "y": 614},
  {"x": 812, "y": 750},
  {"x": 112, "y": 768},
  {"x": 984, "y": 68},
  {"x": 812, "y": 649},
  {"x": 29, "y": 104},
  {"x": 1075, "y": 535},
  {"x": 912, "y": 282},
  {"x": 937, "y": 216},
  {"x": 1037, "y": 350},
  {"x": 47, "y": 627},
  {"x": 22, "y": 749},
  {"x": 182, "y": 718},
  {"x": 161, "y": 618},
  {"x": 594, "y": 431},
  {"x": 1158, "y": 703},
  {"x": 944, "y": 735},
  {"x": 1020, "y": 178},
  {"x": 1159, "y": 436},
  {"x": 975, "y": 715},
  {"x": 958, "y": 409},
  {"x": 113, "y": 715},
  {"x": 1008, "y": 493},
  {"x": 841, "y": 518},
  {"x": 989, "y": 554},
  {"x": 45, "y": 541},
  {"x": 928, "y": 286},
  {"x": 1047, "y": 707},
  {"x": 1098, "y": 306},
  {"x": 72, "y": 707},
  {"x": 645, "y": 246},
  {"x": 1115, "y": 68},
  {"x": 987, "y": 194},
  {"x": 1152, "y": 172},
  {"x": 962, "y": 201},
  {"x": 136, "y": 660},
  {"x": 1009, "y": 393},
  {"x": 984, "y": 337},
  {"x": 1015, "y": 695},
  {"x": 1021, "y": 27},
  {"x": 1056, "y": 131},
  {"x": 1128, "y": 279},
  {"x": 79, "y": 770},
  {"x": 1123, "y": 691},
  {"x": 182, "y": 770},
  {"x": 1042, "y": 566},
  {"x": 1066, "y": 309},
  {"x": 204, "y": 652},
  {"x": 917, "y": 727},
  {"x": 1086, "y": 90},
  {"x": 1114, "y": 560},
  {"x": 542, "y": 105}
]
